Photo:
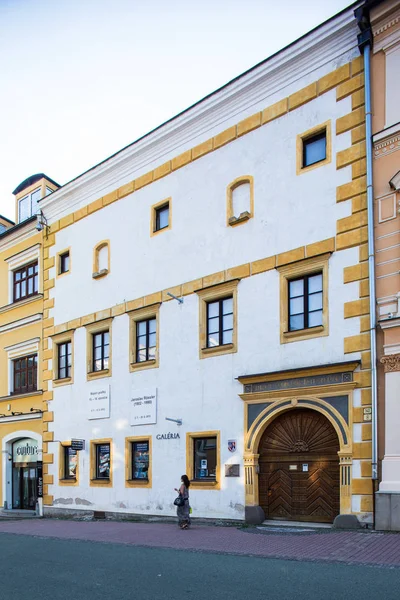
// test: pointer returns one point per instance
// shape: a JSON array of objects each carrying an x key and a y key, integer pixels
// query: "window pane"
[
  {"x": 17, "y": 276},
  {"x": 61, "y": 350},
  {"x": 152, "y": 339},
  {"x": 62, "y": 362},
  {"x": 24, "y": 208},
  {"x": 17, "y": 293},
  {"x": 296, "y": 288},
  {"x": 213, "y": 325},
  {"x": 35, "y": 283},
  {"x": 213, "y": 309},
  {"x": 97, "y": 340},
  {"x": 106, "y": 351},
  {"x": 105, "y": 362},
  {"x": 140, "y": 460},
  {"x": 227, "y": 337},
  {"x": 315, "y": 283},
  {"x": 296, "y": 306},
  {"x": 35, "y": 197},
  {"x": 141, "y": 328},
  {"x": 103, "y": 461},
  {"x": 106, "y": 337},
  {"x": 227, "y": 322},
  {"x": 61, "y": 373},
  {"x": 23, "y": 288},
  {"x": 71, "y": 462},
  {"x": 296, "y": 322},
  {"x": 97, "y": 353},
  {"x": 162, "y": 217},
  {"x": 315, "y": 318},
  {"x": 315, "y": 301},
  {"x": 152, "y": 353},
  {"x": 314, "y": 150},
  {"x": 97, "y": 365},
  {"x": 141, "y": 342},
  {"x": 142, "y": 355},
  {"x": 205, "y": 458},
  {"x": 152, "y": 325},
  {"x": 227, "y": 306},
  {"x": 212, "y": 341}
]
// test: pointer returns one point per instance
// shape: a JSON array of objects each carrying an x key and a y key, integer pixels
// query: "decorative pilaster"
[
  {"x": 345, "y": 482},
  {"x": 251, "y": 478},
  {"x": 391, "y": 363}
]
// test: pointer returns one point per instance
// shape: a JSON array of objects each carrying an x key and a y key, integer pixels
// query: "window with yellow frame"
[
  {"x": 138, "y": 462},
  {"x": 304, "y": 299},
  {"x": 203, "y": 466},
  {"x": 101, "y": 468},
  {"x": 144, "y": 338},
  {"x": 218, "y": 319},
  {"x": 314, "y": 148}
]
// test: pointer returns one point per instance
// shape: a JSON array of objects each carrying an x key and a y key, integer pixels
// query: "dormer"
[
  {"x": 5, "y": 224},
  {"x": 29, "y": 193}
]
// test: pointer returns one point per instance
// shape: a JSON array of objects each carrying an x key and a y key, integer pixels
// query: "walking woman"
[{"x": 183, "y": 511}]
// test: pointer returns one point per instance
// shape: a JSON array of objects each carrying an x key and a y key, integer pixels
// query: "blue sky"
[{"x": 84, "y": 78}]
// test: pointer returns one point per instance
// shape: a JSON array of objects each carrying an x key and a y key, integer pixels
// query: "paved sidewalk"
[{"x": 333, "y": 546}]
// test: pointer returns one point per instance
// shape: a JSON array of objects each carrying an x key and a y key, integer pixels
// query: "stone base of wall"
[
  {"x": 387, "y": 511},
  {"x": 88, "y": 515}
]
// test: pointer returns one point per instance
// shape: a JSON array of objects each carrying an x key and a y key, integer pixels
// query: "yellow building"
[{"x": 21, "y": 321}]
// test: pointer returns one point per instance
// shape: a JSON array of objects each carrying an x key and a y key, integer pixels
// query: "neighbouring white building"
[{"x": 205, "y": 297}]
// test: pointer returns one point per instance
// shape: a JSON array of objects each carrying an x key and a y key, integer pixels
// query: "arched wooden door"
[{"x": 299, "y": 476}]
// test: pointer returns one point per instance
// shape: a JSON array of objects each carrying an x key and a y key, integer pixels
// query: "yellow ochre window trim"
[
  {"x": 94, "y": 481},
  {"x": 190, "y": 439},
  {"x": 289, "y": 272},
  {"x": 302, "y": 137},
  {"x": 135, "y": 317},
  {"x": 63, "y": 480},
  {"x": 130, "y": 482},
  {"x": 91, "y": 330},
  {"x": 154, "y": 230},
  {"x": 67, "y": 336}
]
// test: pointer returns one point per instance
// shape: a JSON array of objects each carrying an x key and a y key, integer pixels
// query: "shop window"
[
  {"x": 99, "y": 349},
  {"x": 101, "y": 462},
  {"x": 240, "y": 200},
  {"x": 304, "y": 299},
  {"x": 101, "y": 259},
  {"x": 203, "y": 462},
  {"x": 69, "y": 467},
  {"x": 161, "y": 217},
  {"x": 218, "y": 316},
  {"x": 138, "y": 461},
  {"x": 25, "y": 374},
  {"x": 144, "y": 337},
  {"x": 314, "y": 148},
  {"x": 26, "y": 282}
]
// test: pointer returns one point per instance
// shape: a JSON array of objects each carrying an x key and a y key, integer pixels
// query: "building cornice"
[{"x": 333, "y": 43}]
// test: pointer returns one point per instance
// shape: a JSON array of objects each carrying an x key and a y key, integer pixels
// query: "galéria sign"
[{"x": 168, "y": 436}]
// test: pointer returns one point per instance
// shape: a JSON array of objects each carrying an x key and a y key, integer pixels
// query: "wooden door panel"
[{"x": 295, "y": 438}]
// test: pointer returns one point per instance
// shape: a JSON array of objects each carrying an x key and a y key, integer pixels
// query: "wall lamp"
[{"x": 41, "y": 223}]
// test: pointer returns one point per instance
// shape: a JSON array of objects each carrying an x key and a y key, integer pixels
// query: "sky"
[{"x": 81, "y": 79}]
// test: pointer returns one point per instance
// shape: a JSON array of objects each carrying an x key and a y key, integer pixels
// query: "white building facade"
[{"x": 204, "y": 300}]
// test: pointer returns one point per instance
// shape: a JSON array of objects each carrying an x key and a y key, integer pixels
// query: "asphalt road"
[{"x": 52, "y": 569}]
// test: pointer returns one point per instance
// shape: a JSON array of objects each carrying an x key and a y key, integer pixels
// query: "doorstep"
[
  {"x": 297, "y": 524},
  {"x": 17, "y": 514}
]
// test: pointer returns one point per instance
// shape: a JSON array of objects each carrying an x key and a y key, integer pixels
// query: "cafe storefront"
[{"x": 21, "y": 470}]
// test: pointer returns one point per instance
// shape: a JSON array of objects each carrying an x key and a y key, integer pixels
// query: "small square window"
[
  {"x": 162, "y": 217},
  {"x": 314, "y": 149},
  {"x": 64, "y": 262}
]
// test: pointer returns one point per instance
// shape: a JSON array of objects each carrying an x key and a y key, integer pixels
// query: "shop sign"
[
  {"x": 77, "y": 444},
  {"x": 99, "y": 403},
  {"x": 143, "y": 409},
  {"x": 39, "y": 490},
  {"x": 25, "y": 451},
  {"x": 168, "y": 436}
]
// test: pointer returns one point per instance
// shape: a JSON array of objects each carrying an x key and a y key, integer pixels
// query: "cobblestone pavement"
[{"x": 372, "y": 548}]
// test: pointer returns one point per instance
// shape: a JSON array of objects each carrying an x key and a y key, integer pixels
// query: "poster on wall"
[
  {"x": 140, "y": 459},
  {"x": 143, "y": 407},
  {"x": 99, "y": 402}
]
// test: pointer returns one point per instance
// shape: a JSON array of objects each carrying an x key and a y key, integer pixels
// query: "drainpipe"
[{"x": 365, "y": 45}]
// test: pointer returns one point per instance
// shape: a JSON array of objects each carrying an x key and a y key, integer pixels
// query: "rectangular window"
[
  {"x": 305, "y": 302},
  {"x": 101, "y": 351},
  {"x": 314, "y": 149},
  {"x": 70, "y": 463},
  {"x": 162, "y": 217},
  {"x": 220, "y": 322},
  {"x": 64, "y": 360},
  {"x": 64, "y": 263},
  {"x": 29, "y": 205},
  {"x": 205, "y": 458},
  {"x": 140, "y": 461},
  {"x": 146, "y": 340},
  {"x": 25, "y": 374},
  {"x": 26, "y": 282},
  {"x": 103, "y": 461}
]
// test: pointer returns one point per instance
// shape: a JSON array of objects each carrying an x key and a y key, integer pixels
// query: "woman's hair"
[{"x": 185, "y": 480}]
